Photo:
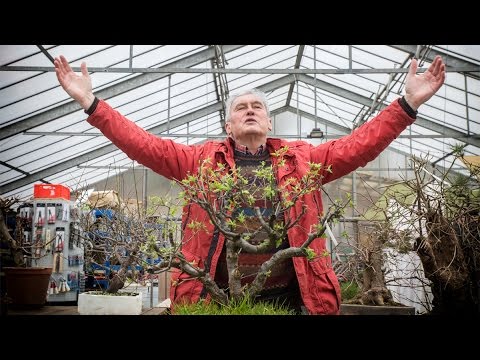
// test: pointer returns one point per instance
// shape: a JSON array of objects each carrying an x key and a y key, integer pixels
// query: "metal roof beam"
[
  {"x": 111, "y": 91},
  {"x": 220, "y": 81},
  {"x": 103, "y": 150},
  {"x": 46, "y": 53},
  {"x": 298, "y": 61},
  {"x": 347, "y": 131},
  {"x": 271, "y": 86},
  {"x": 276, "y": 84},
  {"x": 170, "y": 70},
  {"x": 453, "y": 61},
  {"x": 427, "y": 124},
  {"x": 309, "y": 116}
]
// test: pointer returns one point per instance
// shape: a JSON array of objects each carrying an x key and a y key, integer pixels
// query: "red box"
[{"x": 51, "y": 191}]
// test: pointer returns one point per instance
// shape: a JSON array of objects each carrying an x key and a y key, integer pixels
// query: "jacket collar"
[{"x": 272, "y": 144}]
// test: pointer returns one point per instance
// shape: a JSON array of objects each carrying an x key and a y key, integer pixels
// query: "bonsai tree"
[
  {"x": 18, "y": 251},
  {"x": 435, "y": 216},
  {"x": 445, "y": 217},
  {"x": 365, "y": 271},
  {"x": 14, "y": 254},
  {"x": 221, "y": 194},
  {"x": 20, "y": 283},
  {"x": 123, "y": 239},
  {"x": 374, "y": 289}
]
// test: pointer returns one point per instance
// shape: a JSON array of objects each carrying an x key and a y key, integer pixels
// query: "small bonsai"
[{"x": 123, "y": 240}]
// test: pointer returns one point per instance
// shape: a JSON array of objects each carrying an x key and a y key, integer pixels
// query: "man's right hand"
[
  {"x": 79, "y": 87},
  {"x": 419, "y": 88}
]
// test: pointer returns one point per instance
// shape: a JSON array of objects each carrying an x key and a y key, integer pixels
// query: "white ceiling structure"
[{"x": 178, "y": 91}]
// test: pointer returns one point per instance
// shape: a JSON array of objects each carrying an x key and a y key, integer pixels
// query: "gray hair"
[{"x": 259, "y": 94}]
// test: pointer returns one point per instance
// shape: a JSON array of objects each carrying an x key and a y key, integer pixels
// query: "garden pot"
[
  {"x": 97, "y": 303},
  {"x": 27, "y": 286},
  {"x": 355, "y": 309}
]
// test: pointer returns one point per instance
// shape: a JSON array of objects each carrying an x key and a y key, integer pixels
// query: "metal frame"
[{"x": 218, "y": 55}]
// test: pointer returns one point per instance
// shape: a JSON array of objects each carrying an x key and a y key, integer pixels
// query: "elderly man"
[{"x": 298, "y": 281}]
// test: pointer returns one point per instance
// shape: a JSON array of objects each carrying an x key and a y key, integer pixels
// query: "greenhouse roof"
[{"x": 178, "y": 91}]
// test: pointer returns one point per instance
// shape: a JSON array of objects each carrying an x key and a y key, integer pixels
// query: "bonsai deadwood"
[
  {"x": 118, "y": 280},
  {"x": 175, "y": 259}
]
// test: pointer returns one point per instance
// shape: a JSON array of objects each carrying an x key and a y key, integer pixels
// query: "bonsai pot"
[
  {"x": 355, "y": 309},
  {"x": 27, "y": 286},
  {"x": 99, "y": 303}
]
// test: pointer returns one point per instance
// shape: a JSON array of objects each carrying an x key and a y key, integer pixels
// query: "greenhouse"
[{"x": 317, "y": 94}]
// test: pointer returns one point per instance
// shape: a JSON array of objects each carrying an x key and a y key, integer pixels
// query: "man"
[{"x": 247, "y": 124}]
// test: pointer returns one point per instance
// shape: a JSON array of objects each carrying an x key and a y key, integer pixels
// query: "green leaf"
[{"x": 310, "y": 253}]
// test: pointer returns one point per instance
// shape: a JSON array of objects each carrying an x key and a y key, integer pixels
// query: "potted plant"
[
  {"x": 367, "y": 286},
  {"x": 420, "y": 244},
  {"x": 445, "y": 223},
  {"x": 122, "y": 240},
  {"x": 22, "y": 285},
  {"x": 129, "y": 241},
  {"x": 368, "y": 274},
  {"x": 224, "y": 195}
]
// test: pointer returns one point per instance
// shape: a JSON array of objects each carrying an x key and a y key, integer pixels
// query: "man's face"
[{"x": 248, "y": 117}]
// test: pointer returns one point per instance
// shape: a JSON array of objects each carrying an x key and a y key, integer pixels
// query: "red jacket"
[{"x": 319, "y": 286}]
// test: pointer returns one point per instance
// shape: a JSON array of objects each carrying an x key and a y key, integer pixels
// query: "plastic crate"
[
  {"x": 51, "y": 191},
  {"x": 108, "y": 213}
]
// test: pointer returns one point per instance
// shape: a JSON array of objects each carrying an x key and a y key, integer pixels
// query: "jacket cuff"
[
  {"x": 407, "y": 108},
  {"x": 92, "y": 107}
]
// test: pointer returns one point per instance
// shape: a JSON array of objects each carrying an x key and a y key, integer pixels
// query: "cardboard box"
[{"x": 104, "y": 199}]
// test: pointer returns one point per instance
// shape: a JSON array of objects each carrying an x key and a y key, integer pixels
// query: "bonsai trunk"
[
  {"x": 444, "y": 263},
  {"x": 374, "y": 289},
  {"x": 118, "y": 280}
]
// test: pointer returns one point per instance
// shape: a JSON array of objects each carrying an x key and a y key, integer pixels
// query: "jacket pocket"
[{"x": 326, "y": 288}]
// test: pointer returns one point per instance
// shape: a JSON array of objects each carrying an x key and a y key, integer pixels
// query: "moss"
[
  {"x": 243, "y": 307},
  {"x": 349, "y": 289}
]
